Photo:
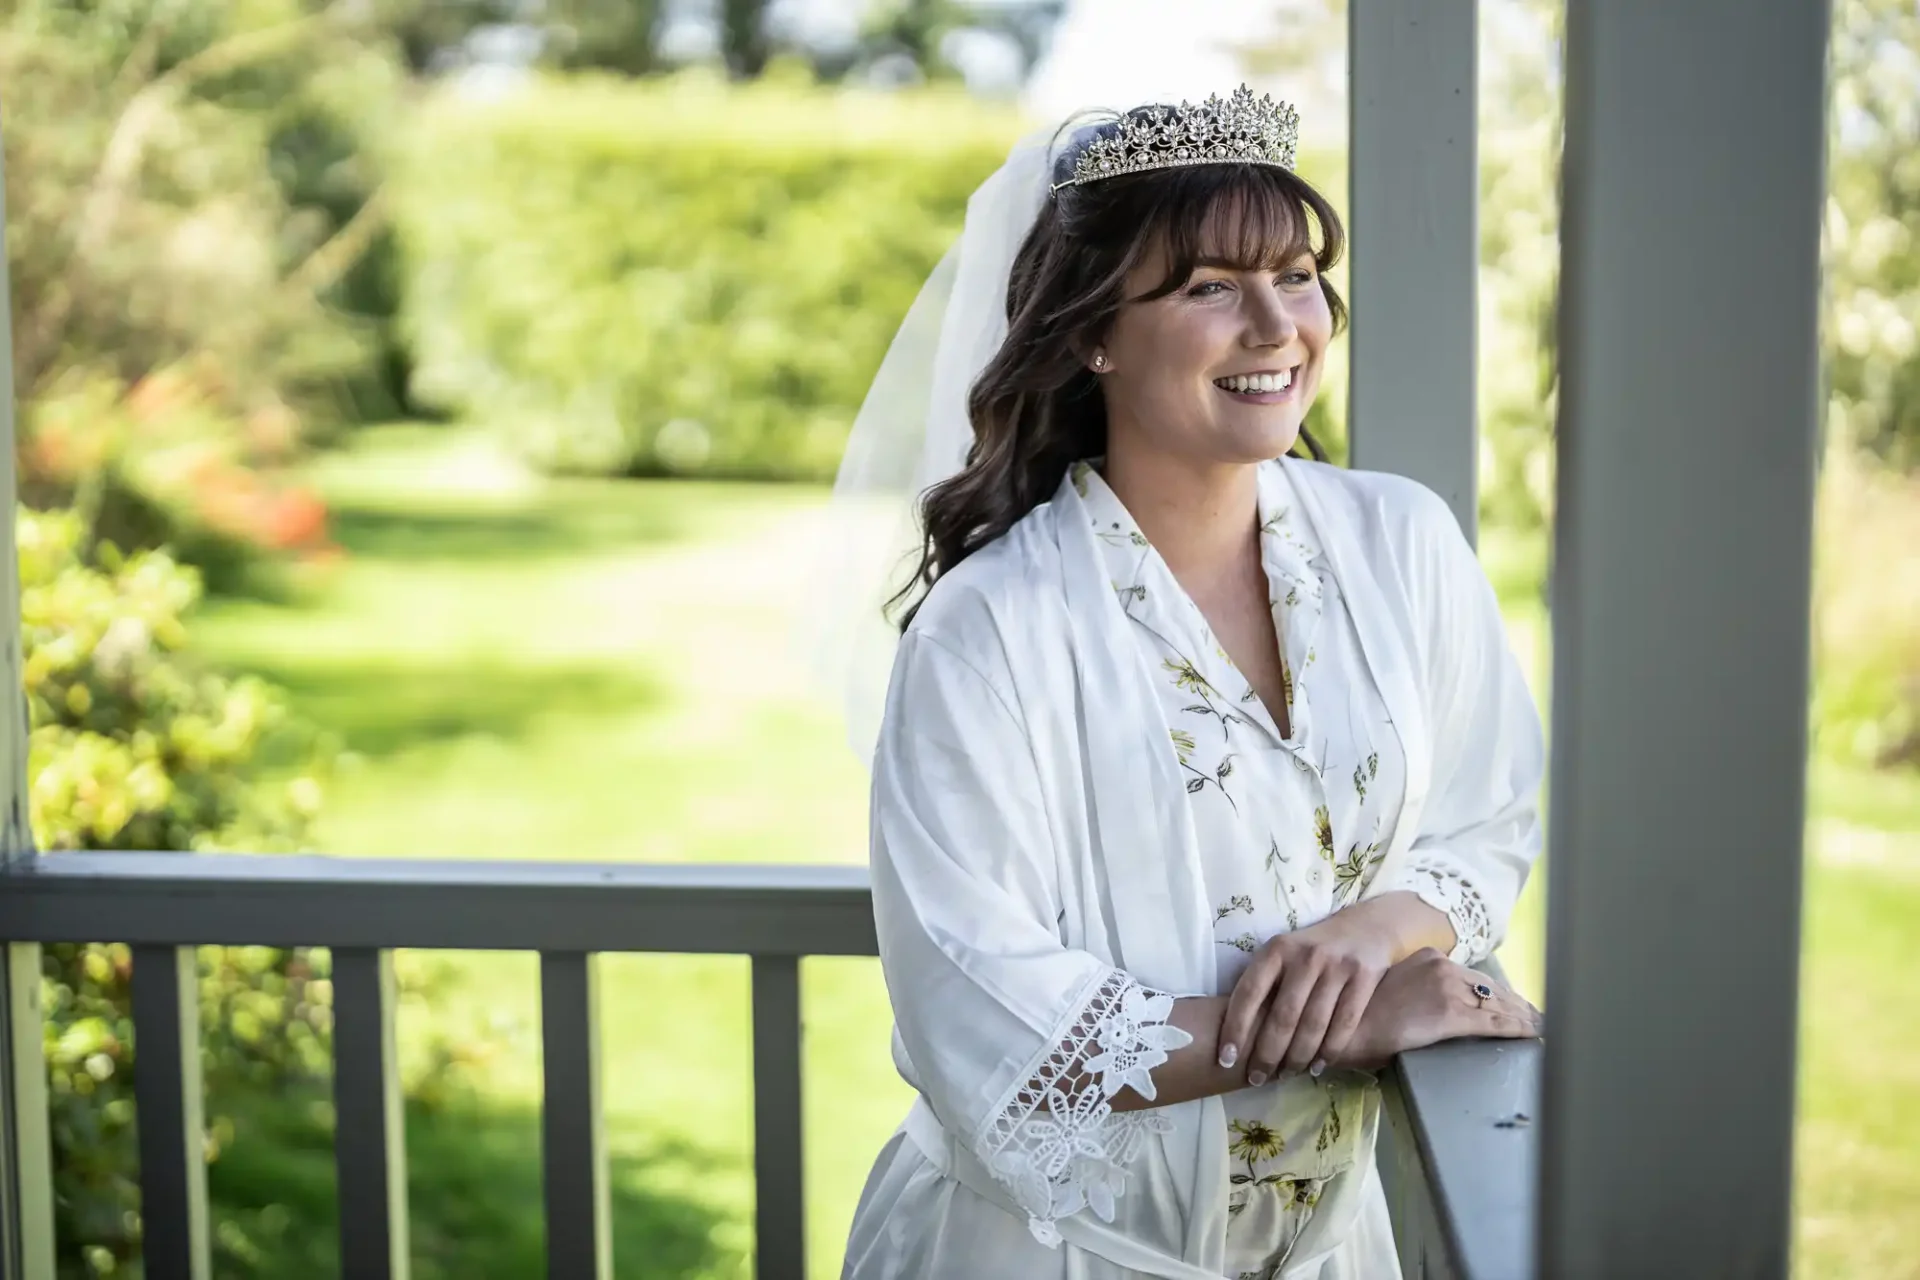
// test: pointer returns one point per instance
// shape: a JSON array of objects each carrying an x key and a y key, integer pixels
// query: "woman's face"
[{"x": 1223, "y": 369}]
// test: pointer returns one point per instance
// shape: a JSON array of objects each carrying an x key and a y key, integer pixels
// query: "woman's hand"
[
  {"x": 1303, "y": 996},
  {"x": 1427, "y": 998}
]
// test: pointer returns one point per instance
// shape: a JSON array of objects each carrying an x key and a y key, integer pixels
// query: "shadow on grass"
[
  {"x": 381, "y": 708},
  {"x": 569, "y": 519},
  {"x": 480, "y": 535},
  {"x": 474, "y": 1199}
]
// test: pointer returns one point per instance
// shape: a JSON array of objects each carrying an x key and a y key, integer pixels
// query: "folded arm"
[{"x": 1018, "y": 1042}]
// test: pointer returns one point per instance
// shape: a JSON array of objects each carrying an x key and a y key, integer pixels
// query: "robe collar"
[{"x": 1149, "y": 594}]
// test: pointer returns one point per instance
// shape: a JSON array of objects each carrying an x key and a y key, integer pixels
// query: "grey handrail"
[
  {"x": 1464, "y": 1147},
  {"x": 238, "y": 899},
  {"x": 1458, "y": 1153},
  {"x": 164, "y": 904}
]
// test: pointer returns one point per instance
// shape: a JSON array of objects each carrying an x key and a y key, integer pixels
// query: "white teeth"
[{"x": 1257, "y": 384}]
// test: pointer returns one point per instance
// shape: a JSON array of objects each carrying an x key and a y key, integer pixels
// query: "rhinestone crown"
[{"x": 1241, "y": 129}]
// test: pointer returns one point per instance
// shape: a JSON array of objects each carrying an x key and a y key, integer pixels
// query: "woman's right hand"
[{"x": 1427, "y": 998}]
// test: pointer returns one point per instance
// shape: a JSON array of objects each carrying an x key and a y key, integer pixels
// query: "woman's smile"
[{"x": 1261, "y": 386}]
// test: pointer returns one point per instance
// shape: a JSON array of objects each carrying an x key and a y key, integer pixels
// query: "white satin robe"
[{"x": 1040, "y": 895}]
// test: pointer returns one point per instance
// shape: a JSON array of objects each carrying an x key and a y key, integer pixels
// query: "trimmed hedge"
[{"x": 678, "y": 275}]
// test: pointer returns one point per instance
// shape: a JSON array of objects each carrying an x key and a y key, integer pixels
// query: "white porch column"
[
  {"x": 1694, "y": 181},
  {"x": 1413, "y": 215}
]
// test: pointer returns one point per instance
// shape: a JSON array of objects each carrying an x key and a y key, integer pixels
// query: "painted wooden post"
[
  {"x": 170, "y": 1112},
  {"x": 26, "y": 1163},
  {"x": 1413, "y": 211},
  {"x": 369, "y": 1130},
  {"x": 579, "y": 1211},
  {"x": 780, "y": 1220},
  {"x": 1694, "y": 170}
]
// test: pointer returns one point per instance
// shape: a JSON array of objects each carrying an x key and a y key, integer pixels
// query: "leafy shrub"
[
  {"x": 677, "y": 275},
  {"x": 163, "y": 462},
  {"x": 135, "y": 747}
]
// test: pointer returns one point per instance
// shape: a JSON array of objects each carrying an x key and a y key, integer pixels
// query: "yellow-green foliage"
[
  {"x": 134, "y": 746},
  {"x": 677, "y": 275},
  {"x": 1867, "y": 613}
]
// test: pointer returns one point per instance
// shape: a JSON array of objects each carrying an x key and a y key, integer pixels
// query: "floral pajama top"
[{"x": 1290, "y": 829}]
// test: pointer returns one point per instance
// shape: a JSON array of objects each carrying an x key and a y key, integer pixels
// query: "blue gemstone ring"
[{"x": 1484, "y": 991}]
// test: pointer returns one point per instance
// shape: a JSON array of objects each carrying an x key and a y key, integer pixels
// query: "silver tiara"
[{"x": 1241, "y": 130}]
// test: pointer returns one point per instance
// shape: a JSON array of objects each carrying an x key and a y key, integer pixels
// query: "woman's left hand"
[{"x": 1301, "y": 999}]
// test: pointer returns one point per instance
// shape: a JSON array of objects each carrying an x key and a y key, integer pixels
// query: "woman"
[{"x": 1203, "y": 773}]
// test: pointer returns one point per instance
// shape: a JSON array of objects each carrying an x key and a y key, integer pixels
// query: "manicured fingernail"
[
  {"x": 1256, "y": 1078},
  {"x": 1319, "y": 1065},
  {"x": 1229, "y": 1054}
]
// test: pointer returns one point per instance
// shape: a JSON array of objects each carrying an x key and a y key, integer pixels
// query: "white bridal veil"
[{"x": 912, "y": 432}]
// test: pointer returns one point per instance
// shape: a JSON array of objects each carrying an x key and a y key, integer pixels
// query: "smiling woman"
[
  {"x": 1173, "y": 295},
  {"x": 1224, "y": 308},
  {"x": 1205, "y": 772}
]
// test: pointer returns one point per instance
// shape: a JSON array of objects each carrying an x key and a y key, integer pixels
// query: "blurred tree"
[
  {"x": 623, "y": 35},
  {"x": 433, "y": 36},
  {"x": 610, "y": 35},
  {"x": 1303, "y": 52},
  {"x": 744, "y": 43},
  {"x": 1872, "y": 325},
  {"x": 919, "y": 30},
  {"x": 915, "y": 29},
  {"x": 426, "y": 31},
  {"x": 193, "y": 178}
]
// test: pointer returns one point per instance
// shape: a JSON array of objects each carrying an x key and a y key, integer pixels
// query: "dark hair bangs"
[{"x": 1240, "y": 216}]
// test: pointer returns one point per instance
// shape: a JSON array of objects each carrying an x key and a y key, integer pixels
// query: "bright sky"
[{"x": 1119, "y": 53}]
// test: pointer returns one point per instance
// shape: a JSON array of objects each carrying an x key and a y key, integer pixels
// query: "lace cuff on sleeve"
[
  {"x": 1057, "y": 1143},
  {"x": 1442, "y": 885}
]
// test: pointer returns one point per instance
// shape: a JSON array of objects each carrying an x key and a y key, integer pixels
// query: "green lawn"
[
  {"x": 606, "y": 671},
  {"x": 599, "y": 672}
]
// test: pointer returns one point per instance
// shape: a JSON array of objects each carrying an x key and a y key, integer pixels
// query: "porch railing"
[
  {"x": 1460, "y": 1183},
  {"x": 165, "y": 904},
  {"x": 1459, "y": 1154}
]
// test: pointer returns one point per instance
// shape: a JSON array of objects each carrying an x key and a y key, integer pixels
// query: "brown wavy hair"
[{"x": 1036, "y": 408}]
